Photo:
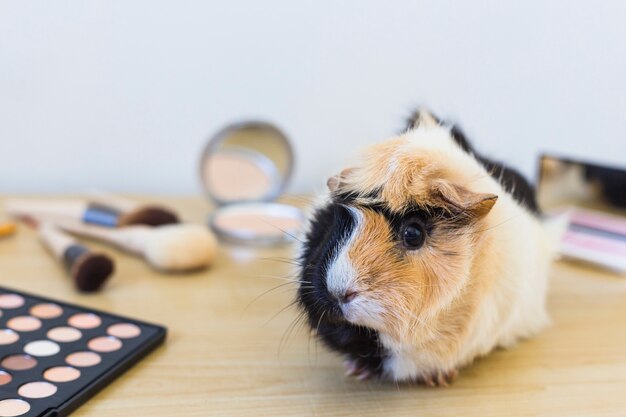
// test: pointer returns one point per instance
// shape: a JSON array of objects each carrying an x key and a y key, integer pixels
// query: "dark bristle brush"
[
  {"x": 101, "y": 212},
  {"x": 89, "y": 270},
  {"x": 132, "y": 212}
]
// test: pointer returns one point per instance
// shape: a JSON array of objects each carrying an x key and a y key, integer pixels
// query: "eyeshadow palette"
[{"x": 54, "y": 356}]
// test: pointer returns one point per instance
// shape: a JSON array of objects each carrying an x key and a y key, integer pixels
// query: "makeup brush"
[
  {"x": 89, "y": 270},
  {"x": 133, "y": 212},
  {"x": 90, "y": 212},
  {"x": 170, "y": 248}
]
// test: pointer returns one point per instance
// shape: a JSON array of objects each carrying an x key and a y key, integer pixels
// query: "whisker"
[{"x": 255, "y": 299}]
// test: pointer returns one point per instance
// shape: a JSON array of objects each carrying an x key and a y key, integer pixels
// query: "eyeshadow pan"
[
  {"x": 5, "y": 378},
  {"x": 105, "y": 344},
  {"x": 19, "y": 362},
  {"x": 124, "y": 330},
  {"x": 42, "y": 348},
  {"x": 8, "y": 336},
  {"x": 39, "y": 389},
  {"x": 13, "y": 407},
  {"x": 46, "y": 310},
  {"x": 83, "y": 359},
  {"x": 85, "y": 321},
  {"x": 64, "y": 334},
  {"x": 61, "y": 374},
  {"x": 24, "y": 323},
  {"x": 9, "y": 301}
]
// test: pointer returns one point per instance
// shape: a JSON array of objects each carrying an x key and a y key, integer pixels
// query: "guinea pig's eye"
[{"x": 413, "y": 234}]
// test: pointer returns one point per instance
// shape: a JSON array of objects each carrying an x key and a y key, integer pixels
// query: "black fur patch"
[
  {"x": 512, "y": 181},
  {"x": 331, "y": 226}
]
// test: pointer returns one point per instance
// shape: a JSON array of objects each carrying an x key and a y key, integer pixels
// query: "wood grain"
[{"x": 230, "y": 351}]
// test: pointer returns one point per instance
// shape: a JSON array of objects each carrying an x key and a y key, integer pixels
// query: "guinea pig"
[{"x": 424, "y": 256}]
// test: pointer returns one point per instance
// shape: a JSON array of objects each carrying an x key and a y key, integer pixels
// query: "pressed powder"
[
  {"x": 244, "y": 168},
  {"x": 258, "y": 220},
  {"x": 236, "y": 176}
]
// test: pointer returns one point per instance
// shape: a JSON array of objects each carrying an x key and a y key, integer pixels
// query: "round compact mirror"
[{"x": 243, "y": 169}]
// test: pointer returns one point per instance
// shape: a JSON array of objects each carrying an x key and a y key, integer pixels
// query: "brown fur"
[{"x": 428, "y": 297}]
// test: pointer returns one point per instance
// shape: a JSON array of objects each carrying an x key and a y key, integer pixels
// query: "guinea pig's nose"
[{"x": 347, "y": 296}]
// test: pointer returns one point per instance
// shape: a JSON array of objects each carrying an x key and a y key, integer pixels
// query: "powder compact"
[
  {"x": 243, "y": 169},
  {"x": 55, "y": 356}
]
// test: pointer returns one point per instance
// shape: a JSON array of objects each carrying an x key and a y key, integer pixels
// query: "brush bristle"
[
  {"x": 149, "y": 216},
  {"x": 91, "y": 271},
  {"x": 181, "y": 247}
]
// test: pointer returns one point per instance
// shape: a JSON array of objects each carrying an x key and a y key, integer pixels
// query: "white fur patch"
[{"x": 341, "y": 275}]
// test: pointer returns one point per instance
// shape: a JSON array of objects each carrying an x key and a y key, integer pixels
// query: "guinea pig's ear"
[
  {"x": 422, "y": 118},
  {"x": 459, "y": 199},
  {"x": 335, "y": 182}
]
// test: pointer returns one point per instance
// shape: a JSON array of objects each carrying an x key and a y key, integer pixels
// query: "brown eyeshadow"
[
  {"x": 19, "y": 362},
  {"x": 5, "y": 378}
]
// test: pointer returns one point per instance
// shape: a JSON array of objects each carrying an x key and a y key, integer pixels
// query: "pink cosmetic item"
[{"x": 594, "y": 200}]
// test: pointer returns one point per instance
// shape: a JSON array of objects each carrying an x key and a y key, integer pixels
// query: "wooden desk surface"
[{"x": 224, "y": 354}]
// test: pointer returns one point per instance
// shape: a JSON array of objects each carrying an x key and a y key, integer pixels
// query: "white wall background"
[{"x": 122, "y": 94}]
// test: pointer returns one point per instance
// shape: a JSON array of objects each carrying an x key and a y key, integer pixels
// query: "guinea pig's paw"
[
  {"x": 359, "y": 369},
  {"x": 439, "y": 378}
]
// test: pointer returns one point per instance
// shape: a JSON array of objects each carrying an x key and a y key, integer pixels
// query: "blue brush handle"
[{"x": 101, "y": 216}]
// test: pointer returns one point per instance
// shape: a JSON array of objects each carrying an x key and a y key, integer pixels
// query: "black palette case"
[{"x": 70, "y": 395}]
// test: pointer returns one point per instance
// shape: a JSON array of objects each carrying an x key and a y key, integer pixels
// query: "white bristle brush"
[{"x": 171, "y": 248}]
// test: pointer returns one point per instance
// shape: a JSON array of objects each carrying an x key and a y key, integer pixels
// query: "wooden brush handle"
[
  {"x": 46, "y": 209},
  {"x": 54, "y": 239},
  {"x": 131, "y": 238},
  {"x": 54, "y": 211}
]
